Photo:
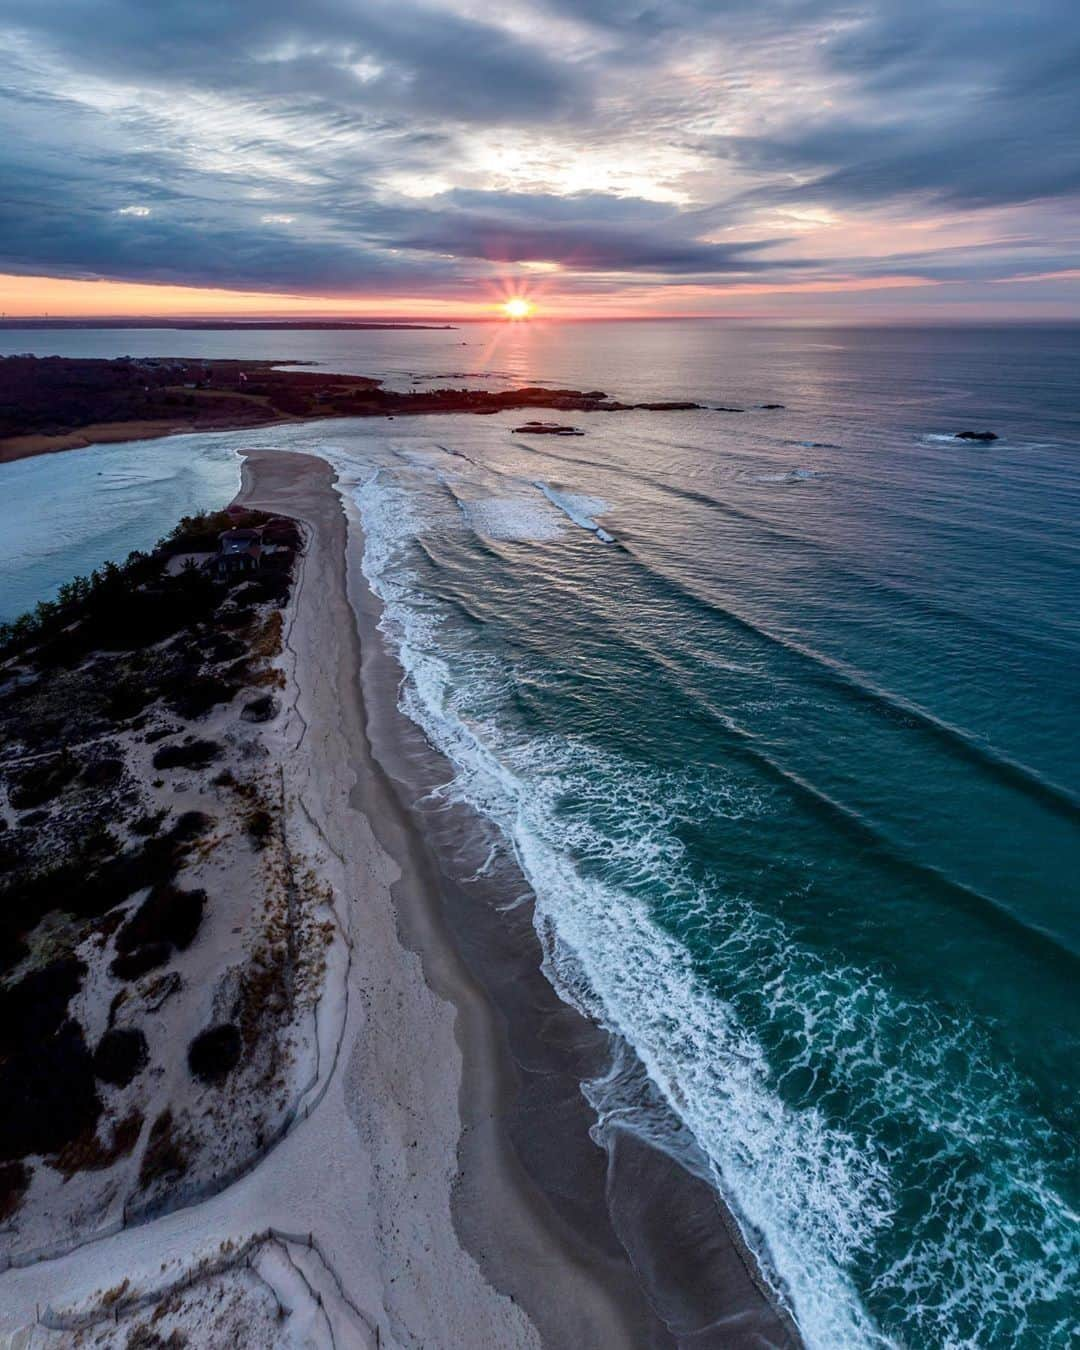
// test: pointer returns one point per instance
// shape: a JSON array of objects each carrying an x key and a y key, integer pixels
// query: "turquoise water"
[
  {"x": 790, "y": 762},
  {"x": 63, "y": 515}
]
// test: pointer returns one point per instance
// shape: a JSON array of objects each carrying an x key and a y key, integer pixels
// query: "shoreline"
[
  {"x": 357, "y": 1193},
  {"x": 223, "y": 325},
  {"x": 655, "y": 1234},
  {"x": 15, "y": 448},
  {"x": 448, "y": 1139},
  {"x": 487, "y": 1194}
]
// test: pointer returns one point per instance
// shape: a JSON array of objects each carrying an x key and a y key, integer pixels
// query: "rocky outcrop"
[
  {"x": 668, "y": 405},
  {"x": 548, "y": 429}
]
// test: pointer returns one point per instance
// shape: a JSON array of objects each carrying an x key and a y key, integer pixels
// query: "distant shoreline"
[
  {"x": 55, "y": 403},
  {"x": 13, "y": 448},
  {"x": 224, "y": 325}
]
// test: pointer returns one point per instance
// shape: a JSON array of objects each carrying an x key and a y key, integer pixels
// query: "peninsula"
[{"x": 59, "y": 403}]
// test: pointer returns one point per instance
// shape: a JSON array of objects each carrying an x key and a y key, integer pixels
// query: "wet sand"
[{"x": 621, "y": 1246}]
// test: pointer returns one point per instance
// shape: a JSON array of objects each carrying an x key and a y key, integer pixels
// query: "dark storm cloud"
[
  {"x": 656, "y": 18},
  {"x": 262, "y": 145},
  {"x": 50, "y": 224},
  {"x": 46, "y": 229}
]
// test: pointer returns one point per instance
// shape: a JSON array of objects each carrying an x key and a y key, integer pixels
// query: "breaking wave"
[{"x": 578, "y": 508}]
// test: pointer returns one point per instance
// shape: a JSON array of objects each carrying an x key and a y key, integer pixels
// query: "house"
[{"x": 238, "y": 551}]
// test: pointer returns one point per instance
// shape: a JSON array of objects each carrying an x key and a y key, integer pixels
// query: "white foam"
[
  {"x": 511, "y": 518},
  {"x": 779, "y": 1168},
  {"x": 785, "y": 476},
  {"x": 580, "y": 509}
]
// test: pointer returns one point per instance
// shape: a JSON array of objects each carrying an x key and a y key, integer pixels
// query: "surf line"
[
  {"x": 579, "y": 517},
  {"x": 562, "y": 502}
]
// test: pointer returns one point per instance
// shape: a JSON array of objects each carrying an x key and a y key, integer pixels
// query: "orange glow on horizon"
[
  {"x": 68, "y": 298},
  {"x": 41, "y": 297}
]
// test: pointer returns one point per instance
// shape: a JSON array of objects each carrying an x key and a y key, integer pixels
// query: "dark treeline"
[{"x": 130, "y": 604}]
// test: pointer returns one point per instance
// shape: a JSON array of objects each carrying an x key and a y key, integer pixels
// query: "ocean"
[{"x": 777, "y": 710}]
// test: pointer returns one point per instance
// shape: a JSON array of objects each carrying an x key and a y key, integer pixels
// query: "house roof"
[{"x": 240, "y": 541}]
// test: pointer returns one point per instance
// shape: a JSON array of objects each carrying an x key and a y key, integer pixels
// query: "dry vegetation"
[{"x": 138, "y": 808}]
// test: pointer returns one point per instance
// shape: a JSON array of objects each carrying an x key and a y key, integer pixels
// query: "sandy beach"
[{"x": 439, "y": 1186}]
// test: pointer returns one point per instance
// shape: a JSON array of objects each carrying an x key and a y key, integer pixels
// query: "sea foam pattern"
[
  {"x": 737, "y": 1025},
  {"x": 510, "y": 518}
]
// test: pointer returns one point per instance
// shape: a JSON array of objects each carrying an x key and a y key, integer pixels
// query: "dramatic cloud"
[
  {"x": 973, "y": 105},
  {"x": 593, "y": 232},
  {"x": 391, "y": 148}
]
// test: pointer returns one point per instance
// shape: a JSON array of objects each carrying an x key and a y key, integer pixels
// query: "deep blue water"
[{"x": 791, "y": 762}]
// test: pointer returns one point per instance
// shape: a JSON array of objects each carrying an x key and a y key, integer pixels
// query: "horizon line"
[{"x": 13, "y": 322}]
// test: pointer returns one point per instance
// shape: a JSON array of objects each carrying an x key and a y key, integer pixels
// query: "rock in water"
[{"x": 549, "y": 429}]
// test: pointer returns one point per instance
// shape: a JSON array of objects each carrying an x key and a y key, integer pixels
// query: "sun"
[{"x": 517, "y": 307}]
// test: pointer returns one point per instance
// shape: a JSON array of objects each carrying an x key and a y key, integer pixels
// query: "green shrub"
[
  {"x": 259, "y": 825},
  {"x": 214, "y": 1053},
  {"x": 194, "y": 755},
  {"x": 33, "y": 1009},
  {"x": 168, "y": 914},
  {"x": 14, "y": 1180},
  {"x": 42, "y": 782},
  {"x": 49, "y": 1095}
]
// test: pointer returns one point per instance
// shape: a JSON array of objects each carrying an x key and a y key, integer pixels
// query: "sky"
[{"x": 803, "y": 159}]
